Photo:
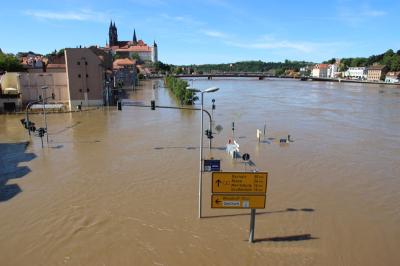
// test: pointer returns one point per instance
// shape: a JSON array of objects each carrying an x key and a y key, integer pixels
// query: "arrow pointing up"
[{"x": 218, "y": 182}]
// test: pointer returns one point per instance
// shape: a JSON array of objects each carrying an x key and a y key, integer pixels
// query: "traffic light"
[
  {"x": 41, "y": 132},
  {"x": 31, "y": 126},
  {"x": 153, "y": 105},
  {"x": 208, "y": 133}
]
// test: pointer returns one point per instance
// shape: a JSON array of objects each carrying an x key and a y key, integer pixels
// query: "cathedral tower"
[
  {"x": 113, "y": 34},
  {"x": 134, "y": 39},
  {"x": 154, "y": 53}
]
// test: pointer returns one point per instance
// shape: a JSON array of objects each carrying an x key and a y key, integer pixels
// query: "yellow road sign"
[
  {"x": 239, "y": 182},
  {"x": 238, "y": 201}
]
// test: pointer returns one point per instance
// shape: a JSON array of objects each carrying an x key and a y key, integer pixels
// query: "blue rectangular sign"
[{"x": 212, "y": 165}]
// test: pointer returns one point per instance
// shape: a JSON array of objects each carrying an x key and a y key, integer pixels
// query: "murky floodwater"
[{"x": 120, "y": 188}]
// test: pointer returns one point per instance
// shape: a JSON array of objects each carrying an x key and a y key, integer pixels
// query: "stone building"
[
  {"x": 80, "y": 81},
  {"x": 376, "y": 72}
]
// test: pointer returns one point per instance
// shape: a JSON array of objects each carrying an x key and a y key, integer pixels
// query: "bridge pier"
[
  {"x": 261, "y": 78},
  {"x": 209, "y": 77}
]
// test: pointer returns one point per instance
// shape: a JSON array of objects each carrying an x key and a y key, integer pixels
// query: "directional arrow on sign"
[{"x": 218, "y": 182}]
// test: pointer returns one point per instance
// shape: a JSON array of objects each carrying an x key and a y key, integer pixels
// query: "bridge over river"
[{"x": 259, "y": 75}]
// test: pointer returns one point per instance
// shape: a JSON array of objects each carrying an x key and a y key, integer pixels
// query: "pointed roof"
[
  {"x": 134, "y": 36},
  {"x": 154, "y": 43}
]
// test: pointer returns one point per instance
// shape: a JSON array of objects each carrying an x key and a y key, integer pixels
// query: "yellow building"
[{"x": 376, "y": 72}]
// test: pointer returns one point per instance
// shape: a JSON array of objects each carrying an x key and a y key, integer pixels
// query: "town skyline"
[{"x": 210, "y": 31}]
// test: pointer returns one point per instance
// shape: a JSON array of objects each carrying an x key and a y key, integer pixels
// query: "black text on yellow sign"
[
  {"x": 238, "y": 201},
  {"x": 239, "y": 182}
]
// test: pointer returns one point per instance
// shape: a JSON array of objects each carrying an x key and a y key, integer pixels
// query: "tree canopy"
[
  {"x": 8, "y": 62},
  {"x": 389, "y": 58},
  {"x": 246, "y": 66}
]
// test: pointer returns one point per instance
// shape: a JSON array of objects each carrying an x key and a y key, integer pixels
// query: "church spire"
[
  {"x": 134, "y": 40},
  {"x": 113, "y": 34}
]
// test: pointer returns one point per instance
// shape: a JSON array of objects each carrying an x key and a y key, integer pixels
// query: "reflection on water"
[{"x": 119, "y": 187}]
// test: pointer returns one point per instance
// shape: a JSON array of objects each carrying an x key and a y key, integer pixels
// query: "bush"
[{"x": 179, "y": 89}]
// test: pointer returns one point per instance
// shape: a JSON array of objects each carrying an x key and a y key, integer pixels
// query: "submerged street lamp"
[
  {"x": 209, "y": 90},
  {"x": 44, "y": 88}
]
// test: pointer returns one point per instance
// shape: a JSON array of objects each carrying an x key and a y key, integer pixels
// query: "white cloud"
[
  {"x": 216, "y": 34},
  {"x": 182, "y": 19},
  {"x": 358, "y": 16},
  {"x": 152, "y": 3},
  {"x": 373, "y": 13},
  {"x": 79, "y": 15},
  {"x": 265, "y": 42}
]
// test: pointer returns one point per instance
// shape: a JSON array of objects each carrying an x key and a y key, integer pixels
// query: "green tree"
[
  {"x": 387, "y": 57},
  {"x": 395, "y": 65},
  {"x": 116, "y": 56},
  {"x": 135, "y": 56},
  {"x": 8, "y": 62},
  {"x": 60, "y": 52},
  {"x": 179, "y": 88}
]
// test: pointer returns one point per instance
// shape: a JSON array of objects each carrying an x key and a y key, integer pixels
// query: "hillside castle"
[{"x": 125, "y": 49}]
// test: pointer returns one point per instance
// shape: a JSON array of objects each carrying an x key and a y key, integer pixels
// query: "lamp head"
[{"x": 212, "y": 89}]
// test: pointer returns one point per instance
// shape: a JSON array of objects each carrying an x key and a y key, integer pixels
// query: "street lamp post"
[
  {"x": 44, "y": 88},
  {"x": 212, "y": 89}
]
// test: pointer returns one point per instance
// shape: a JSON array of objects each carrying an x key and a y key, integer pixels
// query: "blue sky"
[{"x": 208, "y": 31}]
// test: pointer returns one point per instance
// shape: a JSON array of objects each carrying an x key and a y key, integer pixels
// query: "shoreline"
[{"x": 352, "y": 81}]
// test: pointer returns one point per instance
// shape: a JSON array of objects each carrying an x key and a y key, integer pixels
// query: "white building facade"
[
  {"x": 392, "y": 77},
  {"x": 320, "y": 71},
  {"x": 356, "y": 73},
  {"x": 332, "y": 71}
]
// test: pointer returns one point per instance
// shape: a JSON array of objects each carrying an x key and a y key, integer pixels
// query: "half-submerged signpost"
[{"x": 240, "y": 190}]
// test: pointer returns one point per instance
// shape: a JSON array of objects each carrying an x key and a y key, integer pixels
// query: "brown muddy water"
[{"x": 120, "y": 188}]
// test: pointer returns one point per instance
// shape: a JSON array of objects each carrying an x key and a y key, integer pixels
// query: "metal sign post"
[
  {"x": 237, "y": 190},
  {"x": 252, "y": 225}
]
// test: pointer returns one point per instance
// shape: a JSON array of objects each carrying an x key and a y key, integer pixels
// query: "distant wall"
[{"x": 32, "y": 83}]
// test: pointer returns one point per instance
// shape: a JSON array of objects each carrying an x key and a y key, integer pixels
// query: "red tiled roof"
[
  {"x": 119, "y": 63},
  {"x": 393, "y": 74},
  {"x": 134, "y": 49},
  {"x": 322, "y": 66},
  {"x": 376, "y": 67}
]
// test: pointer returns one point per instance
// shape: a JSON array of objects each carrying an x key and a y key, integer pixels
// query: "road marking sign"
[
  {"x": 239, "y": 182},
  {"x": 238, "y": 201},
  {"x": 246, "y": 157}
]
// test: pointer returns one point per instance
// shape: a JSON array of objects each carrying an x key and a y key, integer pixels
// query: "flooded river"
[{"x": 120, "y": 187}]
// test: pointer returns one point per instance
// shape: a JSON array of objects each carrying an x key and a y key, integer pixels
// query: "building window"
[
  {"x": 86, "y": 63},
  {"x": 78, "y": 63},
  {"x": 87, "y": 90},
  {"x": 79, "y": 75},
  {"x": 87, "y": 75}
]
